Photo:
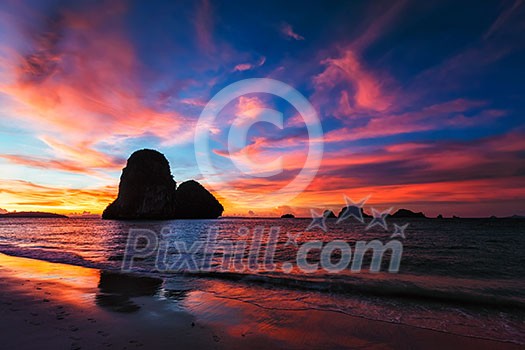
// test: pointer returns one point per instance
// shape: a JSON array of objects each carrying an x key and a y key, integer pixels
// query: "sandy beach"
[{"x": 50, "y": 305}]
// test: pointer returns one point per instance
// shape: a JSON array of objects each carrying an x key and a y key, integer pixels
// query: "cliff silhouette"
[{"x": 148, "y": 191}]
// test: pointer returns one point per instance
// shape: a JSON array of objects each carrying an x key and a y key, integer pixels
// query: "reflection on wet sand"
[
  {"x": 116, "y": 290},
  {"x": 73, "y": 285},
  {"x": 271, "y": 318}
]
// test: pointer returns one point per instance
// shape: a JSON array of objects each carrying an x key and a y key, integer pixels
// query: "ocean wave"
[
  {"x": 391, "y": 286},
  {"x": 51, "y": 255},
  {"x": 486, "y": 298}
]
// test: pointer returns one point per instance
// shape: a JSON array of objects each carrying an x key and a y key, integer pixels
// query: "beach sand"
[{"x": 56, "y": 306}]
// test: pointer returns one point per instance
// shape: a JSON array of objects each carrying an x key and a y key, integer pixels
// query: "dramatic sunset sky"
[{"x": 421, "y": 102}]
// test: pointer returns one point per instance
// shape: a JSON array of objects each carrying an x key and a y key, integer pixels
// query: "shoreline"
[{"x": 65, "y": 306}]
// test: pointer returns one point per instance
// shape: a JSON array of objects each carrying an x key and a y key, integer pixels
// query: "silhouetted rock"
[
  {"x": 193, "y": 201},
  {"x": 33, "y": 214},
  {"x": 440, "y": 216},
  {"x": 354, "y": 209},
  {"x": 405, "y": 213},
  {"x": 455, "y": 217},
  {"x": 287, "y": 216},
  {"x": 146, "y": 189},
  {"x": 329, "y": 214}
]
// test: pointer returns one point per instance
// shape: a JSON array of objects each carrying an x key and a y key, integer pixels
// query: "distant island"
[
  {"x": 365, "y": 215},
  {"x": 405, "y": 213},
  {"x": 400, "y": 214},
  {"x": 516, "y": 217},
  {"x": 329, "y": 214},
  {"x": 147, "y": 191},
  {"x": 288, "y": 216},
  {"x": 32, "y": 214}
]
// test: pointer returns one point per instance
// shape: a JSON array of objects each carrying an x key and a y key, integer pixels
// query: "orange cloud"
[
  {"x": 23, "y": 195},
  {"x": 44, "y": 163}
]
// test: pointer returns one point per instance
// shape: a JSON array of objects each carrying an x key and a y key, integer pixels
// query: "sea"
[{"x": 460, "y": 276}]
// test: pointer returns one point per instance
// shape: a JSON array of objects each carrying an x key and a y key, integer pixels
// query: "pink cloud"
[
  {"x": 204, "y": 26},
  {"x": 446, "y": 115},
  {"x": 249, "y": 66},
  {"x": 368, "y": 92},
  {"x": 248, "y": 106},
  {"x": 288, "y": 32},
  {"x": 381, "y": 20}
]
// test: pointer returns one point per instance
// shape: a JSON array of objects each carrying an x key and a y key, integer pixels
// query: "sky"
[{"x": 421, "y": 103}]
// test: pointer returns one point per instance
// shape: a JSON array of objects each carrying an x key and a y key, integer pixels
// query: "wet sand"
[{"x": 57, "y": 306}]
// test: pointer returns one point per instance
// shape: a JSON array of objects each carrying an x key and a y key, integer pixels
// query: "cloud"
[
  {"x": 428, "y": 162},
  {"x": 377, "y": 22},
  {"x": 367, "y": 89},
  {"x": 488, "y": 169},
  {"x": 25, "y": 195},
  {"x": 204, "y": 26},
  {"x": 503, "y": 19},
  {"x": 499, "y": 40},
  {"x": 249, "y": 66},
  {"x": 446, "y": 115},
  {"x": 47, "y": 163},
  {"x": 288, "y": 32},
  {"x": 76, "y": 158},
  {"x": 247, "y": 107},
  {"x": 79, "y": 84}
]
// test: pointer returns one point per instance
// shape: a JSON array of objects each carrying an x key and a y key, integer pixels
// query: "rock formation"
[
  {"x": 193, "y": 201},
  {"x": 354, "y": 209},
  {"x": 287, "y": 216},
  {"x": 33, "y": 215},
  {"x": 329, "y": 214},
  {"x": 147, "y": 191},
  {"x": 405, "y": 213}
]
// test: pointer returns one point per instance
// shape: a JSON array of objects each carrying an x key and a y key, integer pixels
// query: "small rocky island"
[
  {"x": 288, "y": 216},
  {"x": 353, "y": 209},
  {"x": 329, "y": 214},
  {"x": 32, "y": 215},
  {"x": 147, "y": 191},
  {"x": 407, "y": 214}
]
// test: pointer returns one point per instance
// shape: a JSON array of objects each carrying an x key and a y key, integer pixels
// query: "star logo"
[
  {"x": 379, "y": 218},
  {"x": 353, "y": 209},
  {"x": 318, "y": 220},
  {"x": 399, "y": 231},
  {"x": 292, "y": 239}
]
